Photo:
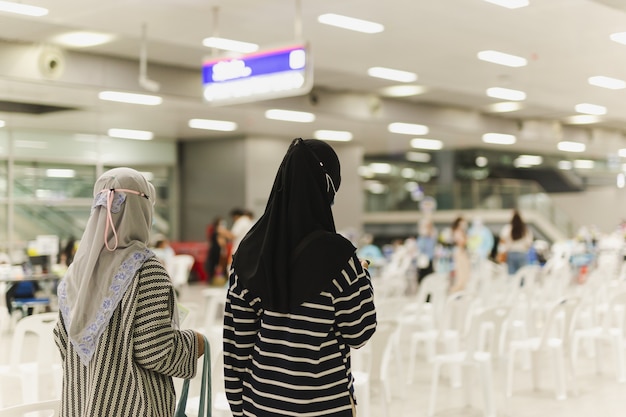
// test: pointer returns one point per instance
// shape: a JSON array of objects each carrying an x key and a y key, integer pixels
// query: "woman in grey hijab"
[{"x": 118, "y": 330}]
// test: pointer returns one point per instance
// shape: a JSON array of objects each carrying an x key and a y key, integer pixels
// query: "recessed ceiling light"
[
  {"x": 131, "y": 98},
  {"x": 290, "y": 115},
  {"x": 588, "y": 108},
  {"x": 418, "y": 156},
  {"x": 130, "y": 134},
  {"x": 380, "y": 168},
  {"x": 408, "y": 128},
  {"x": 509, "y": 4},
  {"x": 83, "y": 39},
  {"x": 504, "y": 106},
  {"x": 230, "y": 45},
  {"x": 60, "y": 173},
  {"x": 221, "y": 125},
  {"x": 335, "y": 135},
  {"x": 569, "y": 146},
  {"x": 506, "y": 94},
  {"x": 622, "y": 153},
  {"x": 422, "y": 143},
  {"x": 402, "y": 90},
  {"x": 392, "y": 74},
  {"x": 499, "y": 138},
  {"x": 583, "y": 164},
  {"x": 565, "y": 165},
  {"x": 501, "y": 58},
  {"x": 408, "y": 172},
  {"x": 350, "y": 23},
  {"x": 527, "y": 161},
  {"x": 20, "y": 8},
  {"x": 582, "y": 119},
  {"x": 2, "y": 123},
  {"x": 621, "y": 180},
  {"x": 619, "y": 37},
  {"x": 607, "y": 82},
  {"x": 481, "y": 161}
]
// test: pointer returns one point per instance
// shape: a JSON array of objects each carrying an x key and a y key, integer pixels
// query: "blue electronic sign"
[{"x": 271, "y": 73}]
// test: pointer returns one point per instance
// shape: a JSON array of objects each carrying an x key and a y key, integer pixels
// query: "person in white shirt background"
[{"x": 242, "y": 223}]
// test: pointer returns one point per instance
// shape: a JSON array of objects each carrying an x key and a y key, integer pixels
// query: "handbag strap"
[{"x": 206, "y": 404}]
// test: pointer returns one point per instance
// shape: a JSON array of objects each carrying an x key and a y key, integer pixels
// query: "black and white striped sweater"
[{"x": 297, "y": 364}]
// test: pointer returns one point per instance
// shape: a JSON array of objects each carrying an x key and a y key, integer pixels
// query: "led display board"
[{"x": 271, "y": 73}]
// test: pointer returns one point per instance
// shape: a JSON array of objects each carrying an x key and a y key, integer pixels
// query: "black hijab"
[{"x": 293, "y": 251}]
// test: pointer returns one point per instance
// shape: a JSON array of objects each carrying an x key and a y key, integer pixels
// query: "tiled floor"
[{"x": 598, "y": 394}]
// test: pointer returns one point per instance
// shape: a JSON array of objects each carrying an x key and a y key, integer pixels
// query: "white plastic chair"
[
  {"x": 610, "y": 329},
  {"x": 52, "y": 408},
  {"x": 484, "y": 335},
  {"x": 556, "y": 333},
  {"x": 180, "y": 269},
  {"x": 453, "y": 324},
  {"x": 47, "y": 361}
]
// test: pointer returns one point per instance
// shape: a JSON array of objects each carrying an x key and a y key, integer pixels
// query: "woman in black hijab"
[{"x": 299, "y": 298}]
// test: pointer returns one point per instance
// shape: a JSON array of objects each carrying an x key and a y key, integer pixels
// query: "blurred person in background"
[
  {"x": 460, "y": 256},
  {"x": 426, "y": 244},
  {"x": 516, "y": 239}
]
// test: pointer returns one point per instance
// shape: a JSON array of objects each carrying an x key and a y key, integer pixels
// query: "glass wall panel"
[{"x": 53, "y": 181}]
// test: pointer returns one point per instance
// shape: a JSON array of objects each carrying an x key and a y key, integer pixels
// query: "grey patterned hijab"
[{"x": 112, "y": 249}]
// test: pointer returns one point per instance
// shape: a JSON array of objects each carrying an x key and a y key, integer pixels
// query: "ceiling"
[{"x": 564, "y": 41}]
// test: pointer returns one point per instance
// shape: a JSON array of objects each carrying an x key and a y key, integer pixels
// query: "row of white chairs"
[{"x": 499, "y": 319}]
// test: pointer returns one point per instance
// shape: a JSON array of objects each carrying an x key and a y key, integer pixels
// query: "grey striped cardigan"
[{"x": 131, "y": 371}]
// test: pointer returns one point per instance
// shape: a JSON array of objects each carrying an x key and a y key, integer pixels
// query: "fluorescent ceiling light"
[
  {"x": 380, "y": 168},
  {"x": 504, "y": 106},
  {"x": 588, "y": 108},
  {"x": 408, "y": 172},
  {"x": 408, "y": 128},
  {"x": 350, "y": 23},
  {"x": 565, "y": 165},
  {"x": 130, "y": 134},
  {"x": 402, "y": 90},
  {"x": 607, "y": 82},
  {"x": 568, "y": 146},
  {"x": 20, "y": 8},
  {"x": 527, "y": 161},
  {"x": 418, "y": 156},
  {"x": 499, "y": 138},
  {"x": 221, "y": 125},
  {"x": 622, "y": 153},
  {"x": 230, "y": 45},
  {"x": 60, "y": 173},
  {"x": 621, "y": 180},
  {"x": 619, "y": 37},
  {"x": 376, "y": 187},
  {"x": 422, "y": 143},
  {"x": 392, "y": 74},
  {"x": 582, "y": 119},
  {"x": 336, "y": 135},
  {"x": 506, "y": 94},
  {"x": 501, "y": 58},
  {"x": 131, "y": 98},
  {"x": 2, "y": 123},
  {"x": 83, "y": 39},
  {"x": 583, "y": 164},
  {"x": 509, "y": 4},
  {"x": 481, "y": 161},
  {"x": 290, "y": 115}
]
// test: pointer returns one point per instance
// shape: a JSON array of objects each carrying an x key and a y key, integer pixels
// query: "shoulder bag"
[{"x": 206, "y": 405}]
